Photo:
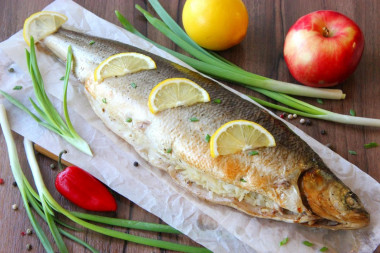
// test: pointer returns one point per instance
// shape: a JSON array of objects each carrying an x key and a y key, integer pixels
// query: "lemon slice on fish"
[
  {"x": 41, "y": 24},
  {"x": 122, "y": 64},
  {"x": 174, "y": 92},
  {"x": 239, "y": 135}
]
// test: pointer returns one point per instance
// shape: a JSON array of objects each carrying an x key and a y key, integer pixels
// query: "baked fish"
[{"x": 288, "y": 182}]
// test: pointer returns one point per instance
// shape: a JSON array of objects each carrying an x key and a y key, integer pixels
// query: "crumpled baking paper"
[{"x": 220, "y": 229}]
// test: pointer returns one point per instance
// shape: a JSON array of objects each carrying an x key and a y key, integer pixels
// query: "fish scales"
[{"x": 274, "y": 177}]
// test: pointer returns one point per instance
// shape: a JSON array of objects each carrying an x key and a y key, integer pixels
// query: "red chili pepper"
[{"x": 83, "y": 189}]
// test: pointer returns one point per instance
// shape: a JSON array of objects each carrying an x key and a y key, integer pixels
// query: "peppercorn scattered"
[
  {"x": 22, "y": 233},
  {"x": 52, "y": 166},
  {"x": 135, "y": 164},
  {"x": 302, "y": 121},
  {"x": 29, "y": 231},
  {"x": 290, "y": 116},
  {"x": 323, "y": 132},
  {"x": 1, "y": 181},
  {"x": 11, "y": 70},
  {"x": 29, "y": 247},
  {"x": 308, "y": 122},
  {"x": 14, "y": 183},
  {"x": 295, "y": 116},
  {"x": 282, "y": 115},
  {"x": 14, "y": 207}
]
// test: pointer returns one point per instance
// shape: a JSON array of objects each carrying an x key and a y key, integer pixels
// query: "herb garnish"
[
  {"x": 371, "y": 145},
  {"x": 243, "y": 180},
  {"x": 62, "y": 78},
  {"x": 104, "y": 100},
  {"x": 133, "y": 85},
  {"x": 194, "y": 119},
  {"x": 253, "y": 152},
  {"x": 207, "y": 138},
  {"x": 285, "y": 241},
  {"x": 91, "y": 42},
  {"x": 307, "y": 243},
  {"x": 352, "y": 112},
  {"x": 323, "y": 249},
  {"x": 320, "y": 101},
  {"x": 129, "y": 120},
  {"x": 169, "y": 150},
  {"x": 352, "y": 152},
  {"x": 17, "y": 87},
  {"x": 217, "y": 101}
]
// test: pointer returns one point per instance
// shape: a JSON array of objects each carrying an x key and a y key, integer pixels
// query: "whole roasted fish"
[{"x": 288, "y": 182}]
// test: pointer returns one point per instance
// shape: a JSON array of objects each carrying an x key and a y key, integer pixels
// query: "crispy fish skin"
[{"x": 291, "y": 180}]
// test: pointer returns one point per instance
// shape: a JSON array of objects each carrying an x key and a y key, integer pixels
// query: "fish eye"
[{"x": 352, "y": 200}]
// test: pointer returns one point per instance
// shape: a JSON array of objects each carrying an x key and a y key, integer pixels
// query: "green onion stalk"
[
  {"x": 212, "y": 64},
  {"x": 47, "y": 207}
]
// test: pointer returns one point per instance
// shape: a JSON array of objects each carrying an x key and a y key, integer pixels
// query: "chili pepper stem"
[{"x": 60, "y": 167}]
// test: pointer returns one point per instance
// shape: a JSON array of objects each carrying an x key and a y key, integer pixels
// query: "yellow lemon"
[
  {"x": 215, "y": 24},
  {"x": 175, "y": 92},
  {"x": 239, "y": 135}
]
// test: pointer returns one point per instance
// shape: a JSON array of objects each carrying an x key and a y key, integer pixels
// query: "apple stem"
[{"x": 326, "y": 32}]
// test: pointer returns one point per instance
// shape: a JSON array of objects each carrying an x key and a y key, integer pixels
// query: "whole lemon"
[{"x": 215, "y": 24}]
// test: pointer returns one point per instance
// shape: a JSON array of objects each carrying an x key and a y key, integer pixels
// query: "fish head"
[{"x": 334, "y": 202}]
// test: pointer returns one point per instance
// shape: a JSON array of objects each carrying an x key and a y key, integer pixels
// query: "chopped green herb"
[
  {"x": 17, "y": 87},
  {"x": 217, "y": 101},
  {"x": 253, "y": 152},
  {"x": 285, "y": 241},
  {"x": 307, "y": 243},
  {"x": 320, "y": 101},
  {"x": 194, "y": 119},
  {"x": 352, "y": 112},
  {"x": 104, "y": 100},
  {"x": 207, "y": 138},
  {"x": 62, "y": 78},
  {"x": 11, "y": 70},
  {"x": 91, "y": 42},
  {"x": 323, "y": 249},
  {"x": 243, "y": 180},
  {"x": 133, "y": 85},
  {"x": 129, "y": 120},
  {"x": 169, "y": 150},
  {"x": 352, "y": 152},
  {"x": 371, "y": 145}
]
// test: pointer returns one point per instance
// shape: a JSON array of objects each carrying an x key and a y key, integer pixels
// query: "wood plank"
[{"x": 261, "y": 52}]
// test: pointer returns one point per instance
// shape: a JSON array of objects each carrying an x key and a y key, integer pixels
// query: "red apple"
[{"x": 323, "y": 48}]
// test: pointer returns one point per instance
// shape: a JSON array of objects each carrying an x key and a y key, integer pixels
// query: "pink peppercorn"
[{"x": 1, "y": 181}]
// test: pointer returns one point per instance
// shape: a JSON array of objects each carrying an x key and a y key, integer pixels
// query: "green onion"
[
  {"x": 91, "y": 42},
  {"x": 320, "y": 101},
  {"x": 104, "y": 100},
  {"x": 212, "y": 64},
  {"x": 194, "y": 119},
  {"x": 253, "y": 152},
  {"x": 17, "y": 87},
  {"x": 307, "y": 243},
  {"x": 323, "y": 249},
  {"x": 352, "y": 112},
  {"x": 217, "y": 101},
  {"x": 207, "y": 138},
  {"x": 285, "y": 241},
  {"x": 46, "y": 206},
  {"x": 50, "y": 118},
  {"x": 243, "y": 180},
  {"x": 133, "y": 85},
  {"x": 129, "y": 120},
  {"x": 352, "y": 152},
  {"x": 371, "y": 145},
  {"x": 62, "y": 78},
  {"x": 169, "y": 150}
]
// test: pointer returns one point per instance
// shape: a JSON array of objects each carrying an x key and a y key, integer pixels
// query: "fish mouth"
[{"x": 327, "y": 197}]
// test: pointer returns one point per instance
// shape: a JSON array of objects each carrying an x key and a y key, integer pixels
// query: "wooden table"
[{"x": 261, "y": 52}]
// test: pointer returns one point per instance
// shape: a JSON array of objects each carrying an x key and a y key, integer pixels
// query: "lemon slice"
[
  {"x": 239, "y": 135},
  {"x": 41, "y": 24},
  {"x": 121, "y": 64},
  {"x": 175, "y": 92}
]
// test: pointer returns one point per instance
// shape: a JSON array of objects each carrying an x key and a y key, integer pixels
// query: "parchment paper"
[{"x": 221, "y": 229}]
